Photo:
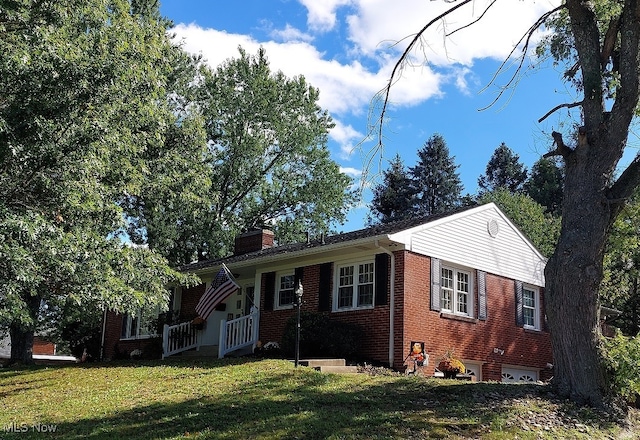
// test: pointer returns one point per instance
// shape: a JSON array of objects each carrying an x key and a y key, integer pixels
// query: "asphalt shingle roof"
[{"x": 372, "y": 231}]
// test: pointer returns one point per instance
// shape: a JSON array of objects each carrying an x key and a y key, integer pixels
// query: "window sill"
[
  {"x": 532, "y": 330},
  {"x": 353, "y": 309},
  {"x": 454, "y": 317},
  {"x": 287, "y": 307},
  {"x": 135, "y": 338}
]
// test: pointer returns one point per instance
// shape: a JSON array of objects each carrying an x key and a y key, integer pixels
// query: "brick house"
[{"x": 467, "y": 281}]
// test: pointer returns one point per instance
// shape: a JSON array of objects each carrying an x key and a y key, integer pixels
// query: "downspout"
[
  {"x": 104, "y": 330},
  {"x": 391, "y": 299}
]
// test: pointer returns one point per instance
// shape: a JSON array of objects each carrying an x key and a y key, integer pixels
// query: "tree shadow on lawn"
[{"x": 306, "y": 404}]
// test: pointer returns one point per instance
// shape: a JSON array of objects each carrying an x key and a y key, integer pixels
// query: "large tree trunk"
[
  {"x": 573, "y": 275},
  {"x": 22, "y": 333}
]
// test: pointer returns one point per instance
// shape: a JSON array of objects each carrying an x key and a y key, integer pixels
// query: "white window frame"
[
  {"x": 535, "y": 308},
  {"x": 279, "y": 284},
  {"x": 356, "y": 283},
  {"x": 135, "y": 327},
  {"x": 454, "y": 305}
]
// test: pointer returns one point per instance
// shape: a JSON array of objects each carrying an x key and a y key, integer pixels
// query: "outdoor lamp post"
[{"x": 298, "y": 293}]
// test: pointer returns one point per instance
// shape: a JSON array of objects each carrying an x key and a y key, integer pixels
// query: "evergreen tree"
[
  {"x": 436, "y": 182},
  {"x": 545, "y": 185},
  {"x": 503, "y": 170},
  {"x": 393, "y": 198}
]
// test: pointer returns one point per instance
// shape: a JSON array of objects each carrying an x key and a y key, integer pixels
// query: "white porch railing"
[
  {"x": 238, "y": 333},
  {"x": 180, "y": 337}
]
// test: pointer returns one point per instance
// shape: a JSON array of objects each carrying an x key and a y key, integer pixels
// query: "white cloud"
[
  {"x": 375, "y": 26},
  {"x": 290, "y": 33},
  {"x": 322, "y": 13},
  {"x": 344, "y": 87},
  {"x": 348, "y": 85},
  {"x": 351, "y": 172},
  {"x": 346, "y": 137}
]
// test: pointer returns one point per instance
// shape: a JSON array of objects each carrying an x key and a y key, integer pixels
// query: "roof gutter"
[{"x": 391, "y": 300}]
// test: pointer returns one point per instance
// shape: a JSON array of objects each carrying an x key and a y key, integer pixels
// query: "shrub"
[
  {"x": 322, "y": 337},
  {"x": 621, "y": 355}
]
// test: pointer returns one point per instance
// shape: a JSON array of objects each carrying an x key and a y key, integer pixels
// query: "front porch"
[{"x": 236, "y": 334}]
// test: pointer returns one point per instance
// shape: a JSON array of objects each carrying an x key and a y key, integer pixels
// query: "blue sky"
[{"x": 343, "y": 47}]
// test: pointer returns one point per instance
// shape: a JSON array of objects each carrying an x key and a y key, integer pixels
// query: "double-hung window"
[
  {"x": 355, "y": 285},
  {"x": 142, "y": 324},
  {"x": 456, "y": 291},
  {"x": 286, "y": 290},
  {"x": 531, "y": 307}
]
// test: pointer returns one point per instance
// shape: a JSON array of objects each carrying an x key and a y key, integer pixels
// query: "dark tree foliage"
[
  {"x": 504, "y": 170},
  {"x": 82, "y": 87},
  {"x": 262, "y": 160},
  {"x": 620, "y": 287},
  {"x": 545, "y": 185},
  {"x": 435, "y": 179},
  {"x": 393, "y": 198}
]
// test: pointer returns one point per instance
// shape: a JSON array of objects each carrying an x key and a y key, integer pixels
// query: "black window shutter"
[
  {"x": 324, "y": 288},
  {"x": 435, "y": 284},
  {"x": 482, "y": 295},
  {"x": 519, "y": 300},
  {"x": 382, "y": 279},
  {"x": 269, "y": 290},
  {"x": 297, "y": 276}
]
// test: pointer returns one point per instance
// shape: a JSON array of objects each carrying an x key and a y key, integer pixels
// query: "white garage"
[{"x": 514, "y": 374}]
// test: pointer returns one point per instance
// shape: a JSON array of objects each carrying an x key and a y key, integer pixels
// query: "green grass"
[{"x": 262, "y": 399}]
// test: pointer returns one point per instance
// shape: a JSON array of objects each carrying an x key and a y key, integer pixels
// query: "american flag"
[{"x": 221, "y": 287}]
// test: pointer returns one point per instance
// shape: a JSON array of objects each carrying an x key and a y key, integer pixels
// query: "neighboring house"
[
  {"x": 43, "y": 350},
  {"x": 467, "y": 281}
]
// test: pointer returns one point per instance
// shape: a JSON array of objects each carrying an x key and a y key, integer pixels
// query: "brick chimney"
[{"x": 254, "y": 240}]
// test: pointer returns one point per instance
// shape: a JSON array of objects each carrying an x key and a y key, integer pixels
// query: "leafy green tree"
[
  {"x": 81, "y": 98},
  {"x": 538, "y": 226},
  {"x": 436, "y": 181},
  {"x": 620, "y": 287},
  {"x": 597, "y": 44},
  {"x": 504, "y": 170},
  {"x": 266, "y": 163},
  {"x": 393, "y": 197},
  {"x": 545, "y": 185}
]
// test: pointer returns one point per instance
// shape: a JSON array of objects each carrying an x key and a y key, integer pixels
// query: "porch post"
[{"x": 165, "y": 340}]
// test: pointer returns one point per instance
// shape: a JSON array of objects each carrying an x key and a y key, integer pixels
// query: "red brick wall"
[
  {"x": 272, "y": 322},
  {"x": 374, "y": 347},
  {"x": 114, "y": 348},
  {"x": 253, "y": 241},
  {"x": 42, "y": 347},
  {"x": 472, "y": 341},
  {"x": 190, "y": 298}
]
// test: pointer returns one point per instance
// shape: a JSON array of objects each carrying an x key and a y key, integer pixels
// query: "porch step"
[
  {"x": 313, "y": 363},
  {"x": 337, "y": 366},
  {"x": 205, "y": 351},
  {"x": 338, "y": 369}
]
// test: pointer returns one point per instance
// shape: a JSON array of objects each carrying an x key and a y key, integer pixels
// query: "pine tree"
[
  {"x": 545, "y": 185},
  {"x": 504, "y": 170},
  {"x": 393, "y": 197},
  {"x": 436, "y": 182}
]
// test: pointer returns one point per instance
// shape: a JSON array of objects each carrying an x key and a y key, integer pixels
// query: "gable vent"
[{"x": 492, "y": 227}]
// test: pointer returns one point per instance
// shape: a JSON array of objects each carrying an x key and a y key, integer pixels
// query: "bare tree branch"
[
  {"x": 401, "y": 62},
  {"x": 561, "y": 148},
  {"x": 609, "y": 41},
  {"x": 527, "y": 38},
  {"x": 474, "y": 21},
  {"x": 558, "y": 107}
]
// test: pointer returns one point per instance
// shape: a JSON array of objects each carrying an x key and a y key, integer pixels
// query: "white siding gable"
[{"x": 465, "y": 239}]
